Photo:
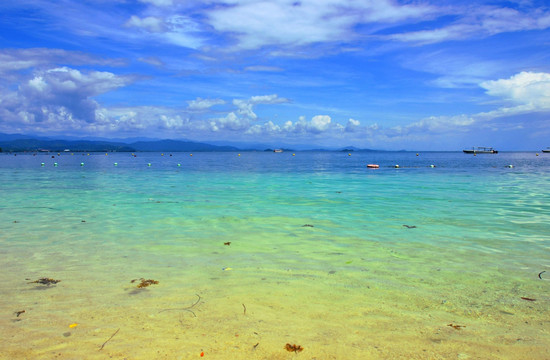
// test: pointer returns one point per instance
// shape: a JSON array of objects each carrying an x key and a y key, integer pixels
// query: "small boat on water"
[
  {"x": 547, "y": 150},
  {"x": 278, "y": 150},
  {"x": 481, "y": 150}
]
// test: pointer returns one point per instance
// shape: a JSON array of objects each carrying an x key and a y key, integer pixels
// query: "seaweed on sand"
[
  {"x": 144, "y": 283},
  {"x": 44, "y": 281}
]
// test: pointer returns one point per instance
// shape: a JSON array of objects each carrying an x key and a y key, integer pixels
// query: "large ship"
[{"x": 481, "y": 150}]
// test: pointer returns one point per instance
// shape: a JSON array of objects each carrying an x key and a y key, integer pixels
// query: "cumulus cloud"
[
  {"x": 352, "y": 125},
  {"x": 245, "y": 107},
  {"x": 59, "y": 98},
  {"x": 526, "y": 88}
]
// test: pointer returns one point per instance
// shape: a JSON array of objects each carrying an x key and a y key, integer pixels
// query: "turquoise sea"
[{"x": 255, "y": 250}]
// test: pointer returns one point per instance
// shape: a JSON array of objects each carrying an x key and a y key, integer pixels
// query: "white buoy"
[
  {"x": 115, "y": 164},
  {"x": 54, "y": 164},
  {"x": 179, "y": 164},
  {"x": 42, "y": 164},
  {"x": 432, "y": 166},
  {"x": 81, "y": 164},
  {"x": 396, "y": 166},
  {"x": 148, "y": 164},
  {"x": 510, "y": 166}
]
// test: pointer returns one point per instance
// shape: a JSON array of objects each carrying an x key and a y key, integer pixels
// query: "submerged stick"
[
  {"x": 186, "y": 308},
  {"x": 112, "y": 336}
]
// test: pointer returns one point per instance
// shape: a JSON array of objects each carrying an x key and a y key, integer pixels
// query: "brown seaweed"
[
  {"x": 144, "y": 283},
  {"x": 44, "y": 281},
  {"x": 227, "y": 243},
  {"x": 294, "y": 347},
  {"x": 455, "y": 326}
]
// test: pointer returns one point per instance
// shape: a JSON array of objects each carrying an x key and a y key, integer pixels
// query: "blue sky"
[{"x": 416, "y": 75}]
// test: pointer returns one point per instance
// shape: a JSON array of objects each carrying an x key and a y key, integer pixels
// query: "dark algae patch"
[
  {"x": 45, "y": 281},
  {"x": 144, "y": 283}
]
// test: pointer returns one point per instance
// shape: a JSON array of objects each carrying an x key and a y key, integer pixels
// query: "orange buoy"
[{"x": 373, "y": 166}]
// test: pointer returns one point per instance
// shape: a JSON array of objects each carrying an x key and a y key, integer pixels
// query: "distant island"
[{"x": 30, "y": 143}]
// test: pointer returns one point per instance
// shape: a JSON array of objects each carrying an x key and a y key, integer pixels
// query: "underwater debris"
[
  {"x": 144, "y": 283},
  {"x": 112, "y": 336},
  {"x": 17, "y": 313},
  {"x": 528, "y": 299},
  {"x": 410, "y": 226},
  {"x": 227, "y": 243},
  {"x": 186, "y": 308},
  {"x": 295, "y": 348},
  {"x": 44, "y": 281},
  {"x": 307, "y": 225},
  {"x": 457, "y": 327}
]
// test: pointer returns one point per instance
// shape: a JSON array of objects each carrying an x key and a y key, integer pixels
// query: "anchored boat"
[{"x": 481, "y": 150}]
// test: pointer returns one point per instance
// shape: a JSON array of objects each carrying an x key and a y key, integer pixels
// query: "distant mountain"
[
  {"x": 61, "y": 145},
  {"x": 20, "y": 142},
  {"x": 11, "y": 137},
  {"x": 17, "y": 142},
  {"x": 176, "y": 145}
]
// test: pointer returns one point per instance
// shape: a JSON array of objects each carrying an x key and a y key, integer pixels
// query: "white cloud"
[
  {"x": 58, "y": 99},
  {"x": 319, "y": 123},
  {"x": 20, "y": 59},
  {"x": 261, "y": 68},
  {"x": 526, "y": 88},
  {"x": 297, "y": 23},
  {"x": 203, "y": 104},
  {"x": 231, "y": 122},
  {"x": 478, "y": 21},
  {"x": 158, "y": 2},
  {"x": 352, "y": 125},
  {"x": 150, "y": 23}
]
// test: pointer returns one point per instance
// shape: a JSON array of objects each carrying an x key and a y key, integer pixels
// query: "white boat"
[
  {"x": 481, "y": 150},
  {"x": 278, "y": 150},
  {"x": 547, "y": 150}
]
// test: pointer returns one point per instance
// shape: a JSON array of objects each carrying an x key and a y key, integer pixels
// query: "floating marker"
[
  {"x": 510, "y": 166},
  {"x": 81, "y": 164},
  {"x": 190, "y": 154},
  {"x": 396, "y": 166},
  {"x": 148, "y": 164},
  {"x": 293, "y": 154},
  {"x": 416, "y": 154},
  {"x": 179, "y": 164},
  {"x": 239, "y": 154},
  {"x": 54, "y": 164},
  {"x": 115, "y": 164},
  {"x": 349, "y": 154},
  {"x": 432, "y": 166},
  {"x": 42, "y": 164}
]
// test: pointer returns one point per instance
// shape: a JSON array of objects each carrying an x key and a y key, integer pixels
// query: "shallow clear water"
[{"x": 319, "y": 255}]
